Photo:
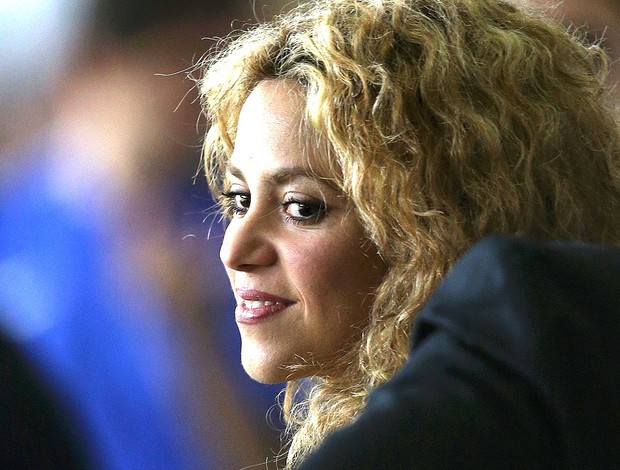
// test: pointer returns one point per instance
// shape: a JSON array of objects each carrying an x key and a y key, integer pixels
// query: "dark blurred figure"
[
  {"x": 35, "y": 434},
  {"x": 108, "y": 283}
]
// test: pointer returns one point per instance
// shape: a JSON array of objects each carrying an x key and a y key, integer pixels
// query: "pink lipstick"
[{"x": 255, "y": 306}]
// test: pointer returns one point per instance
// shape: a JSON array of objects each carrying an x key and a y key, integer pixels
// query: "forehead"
[
  {"x": 273, "y": 106},
  {"x": 279, "y": 100},
  {"x": 271, "y": 131}
]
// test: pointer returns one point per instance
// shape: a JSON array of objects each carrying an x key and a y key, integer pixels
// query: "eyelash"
[
  {"x": 317, "y": 208},
  {"x": 228, "y": 200},
  {"x": 232, "y": 207}
]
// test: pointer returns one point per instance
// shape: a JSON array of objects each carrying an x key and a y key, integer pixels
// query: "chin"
[
  {"x": 265, "y": 364},
  {"x": 269, "y": 365},
  {"x": 266, "y": 375}
]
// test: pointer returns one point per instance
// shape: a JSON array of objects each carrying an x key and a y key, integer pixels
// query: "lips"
[{"x": 256, "y": 306}]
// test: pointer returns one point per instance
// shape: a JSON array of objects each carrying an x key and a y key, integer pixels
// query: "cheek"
[
  {"x": 308, "y": 268},
  {"x": 333, "y": 275}
]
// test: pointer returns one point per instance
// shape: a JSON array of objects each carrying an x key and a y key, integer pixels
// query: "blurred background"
[
  {"x": 111, "y": 287},
  {"x": 110, "y": 281}
]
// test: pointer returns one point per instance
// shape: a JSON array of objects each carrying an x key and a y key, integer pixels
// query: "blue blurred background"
[{"x": 110, "y": 281}]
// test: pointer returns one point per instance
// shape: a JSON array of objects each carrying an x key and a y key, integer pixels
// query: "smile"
[{"x": 255, "y": 306}]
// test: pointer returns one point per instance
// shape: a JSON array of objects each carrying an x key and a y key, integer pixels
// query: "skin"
[{"x": 293, "y": 241}]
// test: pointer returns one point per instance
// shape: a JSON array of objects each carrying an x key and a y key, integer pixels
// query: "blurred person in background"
[
  {"x": 29, "y": 65},
  {"x": 108, "y": 284}
]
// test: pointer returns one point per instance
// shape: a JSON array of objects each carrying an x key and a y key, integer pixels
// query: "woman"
[{"x": 360, "y": 146}]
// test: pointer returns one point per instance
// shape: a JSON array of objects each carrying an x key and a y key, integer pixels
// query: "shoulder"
[
  {"x": 546, "y": 316},
  {"x": 511, "y": 295}
]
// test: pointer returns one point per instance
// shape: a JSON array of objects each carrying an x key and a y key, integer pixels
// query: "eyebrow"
[{"x": 280, "y": 176}]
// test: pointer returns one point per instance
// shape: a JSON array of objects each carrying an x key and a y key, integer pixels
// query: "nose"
[{"x": 248, "y": 244}]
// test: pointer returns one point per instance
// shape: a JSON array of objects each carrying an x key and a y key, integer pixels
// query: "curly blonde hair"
[{"x": 445, "y": 121}]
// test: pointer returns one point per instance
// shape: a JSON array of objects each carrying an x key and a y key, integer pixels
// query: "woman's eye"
[
  {"x": 235, "y": 203},
  {"x": 306, "y": 211}
]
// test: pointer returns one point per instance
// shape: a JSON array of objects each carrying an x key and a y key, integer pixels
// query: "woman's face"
[{"x": 297, "y": 258}]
